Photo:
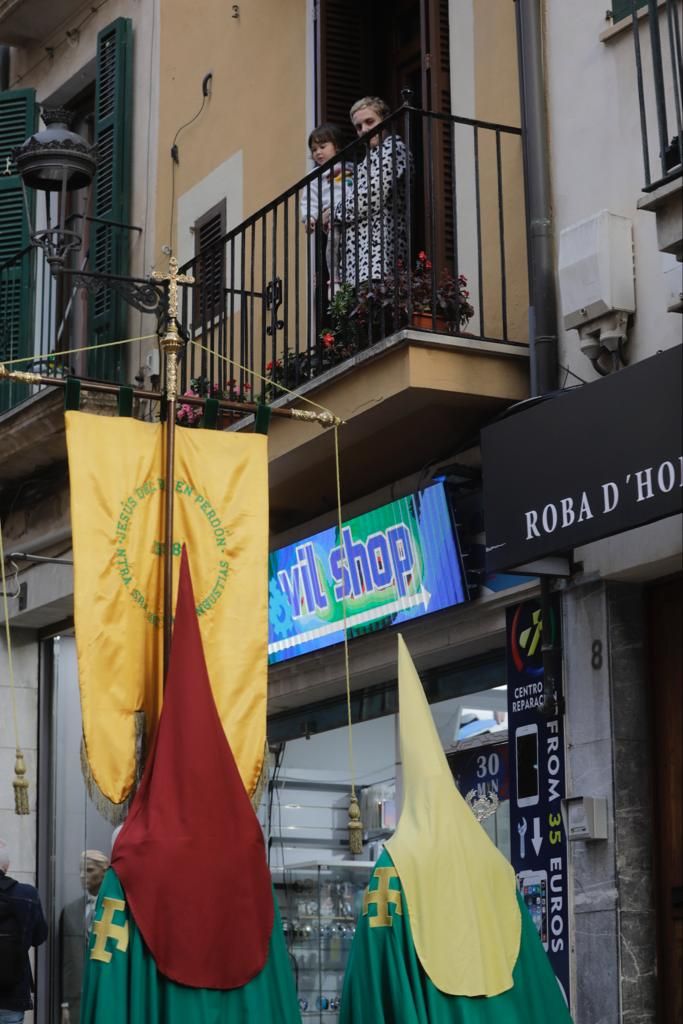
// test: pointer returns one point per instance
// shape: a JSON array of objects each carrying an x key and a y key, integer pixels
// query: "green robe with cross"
[{"x": 386, "y": 984}]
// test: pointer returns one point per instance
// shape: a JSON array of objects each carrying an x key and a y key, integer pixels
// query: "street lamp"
[{"x": 55, "y": 160}]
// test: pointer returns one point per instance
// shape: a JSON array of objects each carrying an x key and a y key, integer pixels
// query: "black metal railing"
[
  {"x": 30, "y": 325},
  {"x": 44, "y": 316},
  {"x": 419, "y": 224},
  {"x": 659, "y": 73}
]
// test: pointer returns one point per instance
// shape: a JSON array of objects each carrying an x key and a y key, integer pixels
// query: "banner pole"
[{"x": 171, "y": 343}]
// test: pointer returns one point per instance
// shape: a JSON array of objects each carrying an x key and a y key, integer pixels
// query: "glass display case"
[{"x": 319, "y": 905}]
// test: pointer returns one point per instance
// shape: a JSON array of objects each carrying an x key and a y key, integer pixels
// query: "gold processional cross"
[{"x": 171, "y": 342}]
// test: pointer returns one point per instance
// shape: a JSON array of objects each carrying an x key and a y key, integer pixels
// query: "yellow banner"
[{"x": 221, "y": 513}]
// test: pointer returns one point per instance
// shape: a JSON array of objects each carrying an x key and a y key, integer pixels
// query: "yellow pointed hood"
[{"x": 460, "y": 890}]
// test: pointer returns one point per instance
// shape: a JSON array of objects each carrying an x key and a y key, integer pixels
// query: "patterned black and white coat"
[{"x": 371, "y": 215}]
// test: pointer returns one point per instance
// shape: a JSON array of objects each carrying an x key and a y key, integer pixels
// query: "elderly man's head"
[
  {"x": 94, "y": 863},
  {"x": 4, "y": 856}
]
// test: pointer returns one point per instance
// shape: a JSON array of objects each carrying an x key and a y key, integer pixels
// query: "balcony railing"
[
  {"x": 659, "y": 71},
  {"x": 28, "y": 321},
  {"x": 43, "y": 316},
  {"x": 425, "y": 229}
]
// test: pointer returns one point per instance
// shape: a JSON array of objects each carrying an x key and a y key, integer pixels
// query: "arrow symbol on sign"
[
  {"x": 537, "y": 838},
  {"x": 401, "y": 604}
]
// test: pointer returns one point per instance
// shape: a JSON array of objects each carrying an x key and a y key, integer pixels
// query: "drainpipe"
[
  {"x": 541, "y": 256},
  {"x": 4, "y": 68},
  {"x": 542, "y": 292}
]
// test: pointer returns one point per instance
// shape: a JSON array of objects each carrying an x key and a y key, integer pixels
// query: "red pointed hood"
[{"x": 191, "y": 856}]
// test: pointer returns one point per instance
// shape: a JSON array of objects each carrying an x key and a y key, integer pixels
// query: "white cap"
[{"x": 4, "y": 855}]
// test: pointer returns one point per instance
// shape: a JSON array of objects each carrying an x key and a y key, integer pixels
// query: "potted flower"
[
  {"x": 420, "y": 297},
  {"x": 200, "y": 387},
  {"x": 439, "y": 302},
  {"x": 343, "y": 337}
]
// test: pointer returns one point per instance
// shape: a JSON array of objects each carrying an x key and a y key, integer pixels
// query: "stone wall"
[{"x": 608, "y": 756}]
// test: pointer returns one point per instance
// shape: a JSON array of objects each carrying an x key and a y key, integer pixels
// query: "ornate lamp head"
[{"x": 60, "y": 161}]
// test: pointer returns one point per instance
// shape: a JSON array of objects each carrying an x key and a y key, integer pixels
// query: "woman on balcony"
[{"x": 371, "y": 214}]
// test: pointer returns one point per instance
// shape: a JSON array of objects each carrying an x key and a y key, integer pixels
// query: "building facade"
[{"x": 201, "y": 116}]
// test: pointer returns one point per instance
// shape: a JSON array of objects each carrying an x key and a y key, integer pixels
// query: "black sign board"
[
  {"x": 584, "y": 464},
  {"x": 538, "y": 843}
]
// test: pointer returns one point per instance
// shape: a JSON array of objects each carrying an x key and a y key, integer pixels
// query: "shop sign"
[
  {"x": 584, "y": 464},
  {"x": 538, "y": 842},
  {"x": 482, "y": 770},
  {"x": 390, "y": 565}
]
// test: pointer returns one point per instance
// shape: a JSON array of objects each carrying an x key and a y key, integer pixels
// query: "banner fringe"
[{"x": 115, "y": 814}]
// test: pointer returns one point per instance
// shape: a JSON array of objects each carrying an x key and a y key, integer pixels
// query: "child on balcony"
[{"x": 323, "y": 191}]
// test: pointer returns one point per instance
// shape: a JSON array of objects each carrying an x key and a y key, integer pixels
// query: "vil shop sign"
[
  {"x": 390, "y": 565},
  {"x": 538, "y": 842},
  {"x": 585, "y": 464}
]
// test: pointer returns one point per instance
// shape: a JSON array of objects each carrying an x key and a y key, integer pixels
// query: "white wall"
[
  {"x": 596, "y": 164},
  {"x": 596, "y": 160},
  {"x": 19, "y": 831}
]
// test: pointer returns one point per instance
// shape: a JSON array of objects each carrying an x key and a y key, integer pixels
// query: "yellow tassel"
[
  {"x": 355, "y": 826},
  {"x": 20, "y": 785}
]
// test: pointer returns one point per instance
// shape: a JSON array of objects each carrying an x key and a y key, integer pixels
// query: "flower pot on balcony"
[{"x": 426, "y": 322}]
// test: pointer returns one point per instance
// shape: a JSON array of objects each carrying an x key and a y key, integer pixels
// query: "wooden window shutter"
[
  {"x": 17, "y": 122},
  {"x": 437, "y": 91},
  {"x": 345, "y": 72},
  {"x": 209, "y": 292},
  {"x": 111, "y": 191},
  {"x": 624, "y": 8}
]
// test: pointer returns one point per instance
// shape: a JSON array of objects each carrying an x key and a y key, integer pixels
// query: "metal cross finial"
[
  {"x": 171, "y": 341},
  {"x": 174, "y": 279}
]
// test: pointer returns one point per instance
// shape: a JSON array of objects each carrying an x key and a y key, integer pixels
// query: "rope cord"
[
  {"x": 83, "y": 348},
  {"x": 347, "y": 674},
  {"x": 264, "y": 380},
  {"x": 284, "y": 390},
  {"x": 8, "y": 636},
  {"x": 337, "y": 424}
]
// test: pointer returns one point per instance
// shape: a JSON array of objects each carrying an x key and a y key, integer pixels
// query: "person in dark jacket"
[{"x": 25, "y": 903}]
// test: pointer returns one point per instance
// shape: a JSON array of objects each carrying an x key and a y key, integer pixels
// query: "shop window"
[
  {"x": 305, "y": 815},
  {"x": 70, "y": 826}
]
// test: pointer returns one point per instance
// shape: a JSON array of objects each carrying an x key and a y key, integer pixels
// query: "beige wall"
[
  {"x": 257, "y": 104},
  {"x": 496, "y": 92},
  {"x": 495, "y": 62},
  {"x": 485, "y": 86}
]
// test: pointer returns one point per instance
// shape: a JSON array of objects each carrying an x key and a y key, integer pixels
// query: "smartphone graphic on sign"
[
  {"x": 533, "y": 886},
  {"x": 526, "y": 759}
]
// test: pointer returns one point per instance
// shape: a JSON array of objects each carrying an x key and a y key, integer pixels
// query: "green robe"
[
  {"x": 386, "y": 984},
  {"x": 127, "y": 988}
]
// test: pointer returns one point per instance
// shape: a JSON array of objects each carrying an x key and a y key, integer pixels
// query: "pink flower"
[
  {"x": 422, "y": 256},
  {"x": 328, "y": 339}
]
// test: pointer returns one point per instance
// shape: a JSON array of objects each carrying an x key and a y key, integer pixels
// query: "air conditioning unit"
[{"x": 597, "y": 286}]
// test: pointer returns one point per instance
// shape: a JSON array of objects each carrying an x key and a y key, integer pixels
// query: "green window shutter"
[
  {"x": 624, "y": 8},
  {"x": 17, "y": 122},
  {"x": 111, "y": 192}
]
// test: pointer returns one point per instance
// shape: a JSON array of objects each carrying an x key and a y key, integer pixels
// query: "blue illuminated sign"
[{"x": 393, "y": 564}]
